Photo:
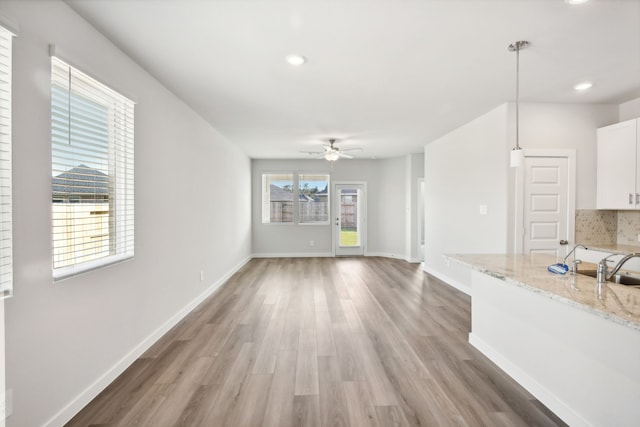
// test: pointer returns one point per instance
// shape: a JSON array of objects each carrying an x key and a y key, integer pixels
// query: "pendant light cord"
[
  {"x": 517, "y": 96},
  {"x": 516, "y": 47}
]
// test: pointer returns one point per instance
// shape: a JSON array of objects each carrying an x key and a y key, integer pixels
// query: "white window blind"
[
  {"x": 92, "y": 140},
  {"x": 6, "y": 229}
]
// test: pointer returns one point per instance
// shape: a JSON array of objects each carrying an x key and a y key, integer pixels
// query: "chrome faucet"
[
  {"x": 603, "y": 273},
  {"x": 574, "y": 264}
]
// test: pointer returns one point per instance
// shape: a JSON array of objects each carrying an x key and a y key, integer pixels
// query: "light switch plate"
[{"x": 483, "y": 210}]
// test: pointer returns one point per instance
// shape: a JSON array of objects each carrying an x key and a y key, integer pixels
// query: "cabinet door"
[{"x": 616, "y": 170}]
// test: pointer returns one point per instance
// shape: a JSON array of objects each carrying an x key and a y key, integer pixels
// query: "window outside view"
[
  {"x": 349, "y": 236},
  {"x": 311, "y": 195},
  {"x": 80, "y": 180},
  {"x": 313, "y": 198},
  {"x": 277, "y": 198}
]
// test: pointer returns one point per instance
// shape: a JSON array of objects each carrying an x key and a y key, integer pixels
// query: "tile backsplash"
[
  {"x": 607, "y": 227},
  {"x": 628, "y": 228},
  {"x": 596, "y": 227}
]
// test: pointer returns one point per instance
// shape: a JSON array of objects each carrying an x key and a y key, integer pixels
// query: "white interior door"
[
  {"x": 547, "y": 211},
  {"x": 350, "y": 226}
]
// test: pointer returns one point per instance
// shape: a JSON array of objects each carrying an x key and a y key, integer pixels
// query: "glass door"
[{"x": 350, "y": 219}]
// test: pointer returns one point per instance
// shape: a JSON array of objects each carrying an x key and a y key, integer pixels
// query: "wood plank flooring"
[{"x": 319, "y": 342}]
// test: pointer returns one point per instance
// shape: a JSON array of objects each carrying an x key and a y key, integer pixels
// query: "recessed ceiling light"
[
  {"x": 575, "y": 2},
  {"x": 583, "y": 86},
  {"x": 296, "y": 60}
]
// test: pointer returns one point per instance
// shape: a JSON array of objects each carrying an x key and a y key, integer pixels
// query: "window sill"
[{"x": 63, "y": 273}]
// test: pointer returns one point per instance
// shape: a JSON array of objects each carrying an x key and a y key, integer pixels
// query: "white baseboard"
[
  {"x": 76, "y": 405},
  {"x": 294, "y": 255},
  {"x": 329, "y": 254},
  {"x": 448, "y": 280},
  {"x": 394, "y": 256},
  {"x": 528, "y": 383},
  {"x": 386, "y": 255}
]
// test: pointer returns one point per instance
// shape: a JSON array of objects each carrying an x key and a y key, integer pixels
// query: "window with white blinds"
[
  {"x": 92, "y": 149},
  {"x": 6, "y": 230}
]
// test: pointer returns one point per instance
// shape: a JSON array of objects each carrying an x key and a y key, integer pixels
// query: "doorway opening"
[{"x": 350, "y": 212}]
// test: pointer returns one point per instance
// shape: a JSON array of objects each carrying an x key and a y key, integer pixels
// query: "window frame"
[
  {"x": 296, "y": 217},
  {"x": 263, "y": 202},
  {"x": 6, "y": 142},
  {"x": 297, "y": 199},
  {"x": 117, "y": 160}
]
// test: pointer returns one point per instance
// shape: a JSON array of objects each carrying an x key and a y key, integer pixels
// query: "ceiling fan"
[{"x": 332, "y": 153}]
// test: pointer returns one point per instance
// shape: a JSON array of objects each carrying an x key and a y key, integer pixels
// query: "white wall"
[
  {"x": 463, "y": 170},
  {"x": 629, "y": 110},
  {"x": 192, "y": 215},
  {"x": 387, "y": 237},
  {"x": 385, "y": 180},
  {"x": 573, "y": 126},
  {"x": 4, "y": 400},
  {"x": 469, "y": 167},
  {"x": 286, "y": 239},
  {"x": 414, "y": 169}
]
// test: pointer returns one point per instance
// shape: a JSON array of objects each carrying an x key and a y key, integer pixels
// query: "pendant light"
[{"x": 517, "y": 154}]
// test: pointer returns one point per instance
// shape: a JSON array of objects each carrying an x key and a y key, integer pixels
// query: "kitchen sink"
[{"x": 621, "y": 278}]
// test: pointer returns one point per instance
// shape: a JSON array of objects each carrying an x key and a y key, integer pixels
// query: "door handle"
[
  {"x": 630, "y": 198},
  {"x": 564, "y": 242}
]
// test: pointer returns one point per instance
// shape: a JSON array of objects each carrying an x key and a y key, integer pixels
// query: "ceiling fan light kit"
[
  {"x": 332, "y": 155},
  {"x": 331, "y": 152},
  {"x": 296, "y": 60}
]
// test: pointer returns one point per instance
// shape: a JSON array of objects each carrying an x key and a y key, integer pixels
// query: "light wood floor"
[{"x": 320, "y": 342}]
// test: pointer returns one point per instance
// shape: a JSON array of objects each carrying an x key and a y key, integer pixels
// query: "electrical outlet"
[
  {"x": 201, "y": 275},
  {"x": 312, "y": 243}
]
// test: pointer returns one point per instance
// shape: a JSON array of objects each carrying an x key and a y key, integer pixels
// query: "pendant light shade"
[
  {"x": 517, "y": 154},
  {"x": 517, "y": 157}
]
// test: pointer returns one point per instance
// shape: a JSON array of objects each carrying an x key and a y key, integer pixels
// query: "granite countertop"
[{"x": 619, "y": 303}]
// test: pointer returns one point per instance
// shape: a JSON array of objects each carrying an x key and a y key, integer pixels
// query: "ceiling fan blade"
[
  {"x": 312, "y": 153},
  {"x": 351, "y": 149},
  {"x": 346, "y": 156}
]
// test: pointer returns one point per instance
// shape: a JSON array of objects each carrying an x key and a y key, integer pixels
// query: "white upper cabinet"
[{"x": 618, "y": 187}]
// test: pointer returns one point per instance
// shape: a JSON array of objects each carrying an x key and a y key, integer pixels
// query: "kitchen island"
[{"x": 573, "y": 344}]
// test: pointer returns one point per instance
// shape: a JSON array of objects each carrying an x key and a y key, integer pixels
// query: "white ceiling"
[{"x": 385, "y": 75}]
